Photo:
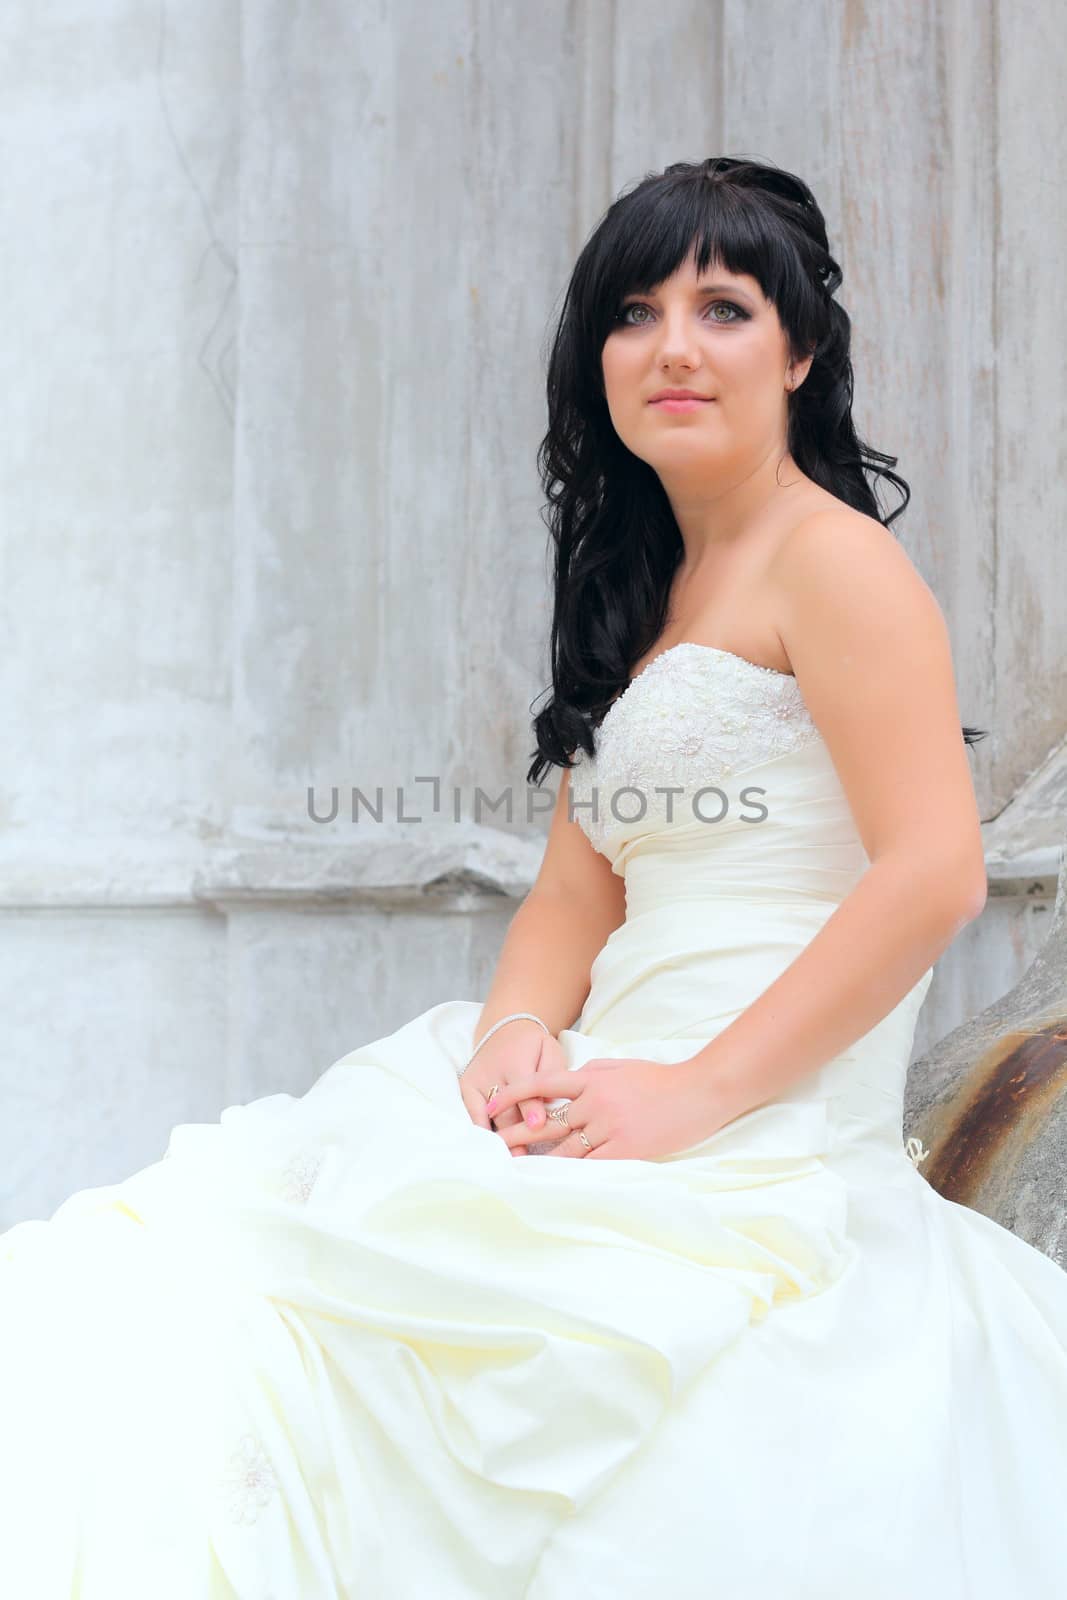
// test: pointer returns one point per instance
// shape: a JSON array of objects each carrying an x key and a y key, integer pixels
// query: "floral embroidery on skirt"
[{"x": 249, "y": 1481}]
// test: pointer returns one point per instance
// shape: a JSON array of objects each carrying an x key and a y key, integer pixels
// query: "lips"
[{"x": 680, "y": 405}]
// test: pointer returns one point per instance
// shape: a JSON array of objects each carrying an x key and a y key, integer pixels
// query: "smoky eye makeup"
[{"x": 739, "y": 313}]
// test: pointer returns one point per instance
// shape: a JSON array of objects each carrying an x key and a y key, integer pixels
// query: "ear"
[{"x": 801, "y": 368}]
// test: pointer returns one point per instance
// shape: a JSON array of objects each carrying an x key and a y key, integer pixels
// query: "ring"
[
  {"x": 581, "y": 1134},
  {"x": 559, "y": 1114},
  {"x": 492, "y": 1092}
]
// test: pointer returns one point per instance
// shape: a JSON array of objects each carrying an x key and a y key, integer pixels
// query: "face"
[{"x": 714, "y": 334}]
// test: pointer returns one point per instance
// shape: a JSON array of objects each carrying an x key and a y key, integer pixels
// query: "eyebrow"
[{"x": 708, "y": 288}]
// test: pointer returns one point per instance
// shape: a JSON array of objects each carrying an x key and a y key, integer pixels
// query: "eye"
[{"x": 740, "y": 315}]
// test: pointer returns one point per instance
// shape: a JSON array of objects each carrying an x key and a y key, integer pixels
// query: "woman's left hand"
[{"x": 628, "y": 1109}]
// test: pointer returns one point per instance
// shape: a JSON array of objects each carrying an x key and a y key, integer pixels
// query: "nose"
[{"x": 678, "y": 343}]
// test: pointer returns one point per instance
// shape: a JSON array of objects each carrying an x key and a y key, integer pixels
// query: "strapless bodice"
[{"x": 710, "y": 776}]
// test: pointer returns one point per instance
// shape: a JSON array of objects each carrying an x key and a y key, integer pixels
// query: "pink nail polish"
[{"x": 531, "y": 1119}]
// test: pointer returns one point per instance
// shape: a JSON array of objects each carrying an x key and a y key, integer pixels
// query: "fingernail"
[
  {"x": 532, "y": 1118},
  {"x": 490, "y": 1105}
]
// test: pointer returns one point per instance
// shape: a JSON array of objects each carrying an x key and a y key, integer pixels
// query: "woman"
[{"x": 726, "y": 1339}]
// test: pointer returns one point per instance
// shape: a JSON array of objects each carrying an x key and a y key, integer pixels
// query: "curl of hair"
[{"x": 615, "y": 540}]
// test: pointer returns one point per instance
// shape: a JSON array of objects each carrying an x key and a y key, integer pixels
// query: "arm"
[
  {"x": 870, "y": 650},
  {"x": 558, "y": 930}
]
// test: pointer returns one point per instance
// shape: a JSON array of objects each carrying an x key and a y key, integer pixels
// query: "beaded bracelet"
[{"x": 514, "y": 1017}]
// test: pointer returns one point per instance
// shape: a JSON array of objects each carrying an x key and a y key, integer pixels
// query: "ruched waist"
[
  {"x": 764, "y": 867},
  {"x": 681, "y": 968}
]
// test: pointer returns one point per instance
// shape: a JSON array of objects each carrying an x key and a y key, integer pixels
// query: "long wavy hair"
[{"x": 616, "y": 540}]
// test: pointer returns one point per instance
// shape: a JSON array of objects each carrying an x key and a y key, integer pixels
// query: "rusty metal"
[
  {"x": 986, "y": 1109},
  {"x": 998, "y": 1110}
]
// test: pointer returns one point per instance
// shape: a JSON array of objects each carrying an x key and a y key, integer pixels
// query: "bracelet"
[{"x": 514, "y": 1017}]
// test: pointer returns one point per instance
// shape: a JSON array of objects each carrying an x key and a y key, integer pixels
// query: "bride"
[{"x": 724, "y": 1338}]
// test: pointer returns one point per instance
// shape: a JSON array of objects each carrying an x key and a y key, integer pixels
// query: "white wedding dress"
[{"x": 347, "y": 1345}]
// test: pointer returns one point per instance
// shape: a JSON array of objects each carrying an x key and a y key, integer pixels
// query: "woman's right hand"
[{"x": 520, "y": 1049}]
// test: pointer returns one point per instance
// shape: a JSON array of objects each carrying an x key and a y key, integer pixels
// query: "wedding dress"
[{"x": 347, "y": 1345}]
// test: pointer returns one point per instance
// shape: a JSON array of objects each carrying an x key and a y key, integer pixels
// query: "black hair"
[{"x": 615, "y": 538}]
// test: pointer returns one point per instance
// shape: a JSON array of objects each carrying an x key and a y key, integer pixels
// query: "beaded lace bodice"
[{"x": 693, "y": 716}]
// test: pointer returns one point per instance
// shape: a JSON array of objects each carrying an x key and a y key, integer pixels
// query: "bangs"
[{"x": 650, "y": 233}]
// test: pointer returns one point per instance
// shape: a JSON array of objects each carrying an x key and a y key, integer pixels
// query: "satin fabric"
[{"x": 346, "y": 1345}]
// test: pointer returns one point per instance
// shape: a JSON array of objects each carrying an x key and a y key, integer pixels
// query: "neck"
[{"x": 713, "y": 516}]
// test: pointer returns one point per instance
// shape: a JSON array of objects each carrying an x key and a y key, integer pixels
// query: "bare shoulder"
[
  {"x": 870, "y": 651},
  {"x": 838, "y": 547},
  {"x": 839, "y": 563}
]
